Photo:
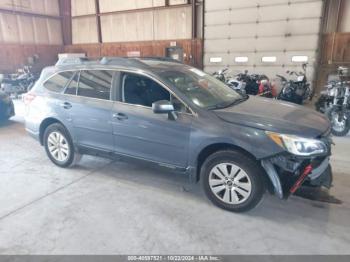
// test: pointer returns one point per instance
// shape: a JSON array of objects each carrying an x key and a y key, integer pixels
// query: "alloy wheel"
[
  {"x": 338, "y": 126},
  {"x": 58, "y": 146},
  {"x": 230, "y": 183}
]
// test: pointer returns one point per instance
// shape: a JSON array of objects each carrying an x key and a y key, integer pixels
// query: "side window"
[
  {"x": 140, "y": 90},
  {"x": 58, "y": 82},
  {"x": 95, "y": 84},
  {"x": 72, "y": 87}
]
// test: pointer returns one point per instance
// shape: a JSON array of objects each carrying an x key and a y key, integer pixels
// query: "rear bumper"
[
  {"x": 33, "y": 134},
  {"x": 7, "y": 110}
]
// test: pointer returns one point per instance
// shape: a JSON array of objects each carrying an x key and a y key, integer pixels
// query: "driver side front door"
[{"x": 140, "y": 133}]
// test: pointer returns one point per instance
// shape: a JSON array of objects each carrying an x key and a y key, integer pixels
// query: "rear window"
[
  {"x": 95, "y": 84},
  {"x": 58, "y": 82}
]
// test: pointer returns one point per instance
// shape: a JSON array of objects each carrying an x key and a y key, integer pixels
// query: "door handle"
[
  {"x": 66, "y": 105},
  {"x": 120, "y": 116}
]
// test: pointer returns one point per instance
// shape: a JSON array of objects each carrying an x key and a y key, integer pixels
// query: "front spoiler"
[
  {"x": 284, "y": 186},
  {"x": 325, "y": 179}
]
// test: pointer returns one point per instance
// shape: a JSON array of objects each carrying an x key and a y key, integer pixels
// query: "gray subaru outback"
[{"x": 178, "y": 117}]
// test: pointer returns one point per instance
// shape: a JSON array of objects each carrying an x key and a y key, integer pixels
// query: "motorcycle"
[
  {"x": 325, "y": 101},
  {"x": 339, "y": 112},
  {"x": 221, "y": 75},
  {"x": 19, "y": 83},
  {"x": 265, "y": 87},
  {"x": 234, "y": 83},
  {"x": 256, "y": 84},
  {"x": 295, "y": 91}
]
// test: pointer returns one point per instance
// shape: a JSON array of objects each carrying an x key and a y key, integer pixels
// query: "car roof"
[{"x": 144, "y": 63}]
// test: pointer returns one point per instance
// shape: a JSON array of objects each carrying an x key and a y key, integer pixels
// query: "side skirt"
[{"x": 86, "y": 150}]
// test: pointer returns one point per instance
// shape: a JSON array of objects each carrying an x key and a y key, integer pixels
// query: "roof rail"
[
  {"x": 160, "y": 58},
  {"x": 124, "y": 61},
  {"x": 74, "y": 61}
]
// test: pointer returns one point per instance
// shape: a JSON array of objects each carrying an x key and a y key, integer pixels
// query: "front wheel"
[
  {"x": 339, "y": 121},
  {"x": 232, "y": 181}
]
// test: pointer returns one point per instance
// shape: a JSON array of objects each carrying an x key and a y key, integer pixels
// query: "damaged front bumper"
[{"x": 287, "y": 173}]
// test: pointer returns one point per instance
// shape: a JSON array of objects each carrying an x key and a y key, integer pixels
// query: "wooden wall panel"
[
  {"x": 26, "y": 29},
  {"x": 9, "y": 28},
  {"x": 177, "y": 2},
  {"x": 121, "y": 5},
  {"x": 174, "y": 23},
  {"x": 83, "y": 7},
  {"x": 55, "y": 31},
  {"x": 335, "y": 51},
  {"x": 335, "y": 48},
  {"x": 23, "y": 29},
  {"x": 91, "y": 50},
  {"x": 51, "y": 7},
  {"x": 13, "y": 56},
  {"x": 192, "y": 49},
  {"x": 345, "y": 23},
  {"x": 41, "y": 31},
  {"x": 47, "y": 7},
  {"x": 125, "y": 27},
  {"x": 84, "y": 30}
]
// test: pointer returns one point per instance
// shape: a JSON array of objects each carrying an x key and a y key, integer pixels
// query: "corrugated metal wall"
[
  {"x": 345, "y": 23},
  {"x": 25, "y": 29},
  {"x": 240, "y": 33},
  {"x": 132, "y": 20}
]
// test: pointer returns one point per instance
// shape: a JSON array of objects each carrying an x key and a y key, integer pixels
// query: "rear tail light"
[{"x": 28, "y": 98}]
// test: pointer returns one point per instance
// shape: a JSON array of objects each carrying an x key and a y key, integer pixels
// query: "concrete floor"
[{"x": 106, "y": 207}]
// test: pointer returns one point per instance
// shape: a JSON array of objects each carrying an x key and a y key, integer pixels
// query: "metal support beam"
[
  {"x": 16, "y": 12},
  {"x": 133, "y": 10},
  {"x": 341, "y": 12},
  {"x": 98, "y": 21},
  {"x": 194, "y": 19},
  {"x": 66, "y": 14}
]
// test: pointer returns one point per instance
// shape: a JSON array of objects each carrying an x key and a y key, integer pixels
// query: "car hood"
[{"x": 276, "y": 116}]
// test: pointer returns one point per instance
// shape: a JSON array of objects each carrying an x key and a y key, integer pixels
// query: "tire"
[
  {"x": 338, "y": 130},
  {"x": 321, "y": 104},
  {"x": 241, "y": 197},
  {"x": 3, "y": 118},
  {"x": 60, "y": 153},
  {"x": 6, "y": 113}
]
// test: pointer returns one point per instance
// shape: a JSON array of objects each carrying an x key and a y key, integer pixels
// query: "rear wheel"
[
  {"x": 340, "y": 125},
  {"x": 59, "y": 146},
  {"x": 232, "y": 181}
]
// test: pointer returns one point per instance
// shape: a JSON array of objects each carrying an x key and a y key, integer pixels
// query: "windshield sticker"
[{"x": 198, "y": 72}]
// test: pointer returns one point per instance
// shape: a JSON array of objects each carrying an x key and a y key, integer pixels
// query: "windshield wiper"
[{"x": 233, "y": 103}]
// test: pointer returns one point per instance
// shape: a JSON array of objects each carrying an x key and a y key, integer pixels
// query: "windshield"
[{"x": 202, "y": 89}]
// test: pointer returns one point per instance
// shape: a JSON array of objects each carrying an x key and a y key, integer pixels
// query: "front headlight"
[{"x": 299, "y": 146}]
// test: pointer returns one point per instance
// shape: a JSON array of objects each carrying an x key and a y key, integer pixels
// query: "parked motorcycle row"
[
  {"x": 296, "y": 89},
  {"x": 14, "y": 85},
  {"x": 335, "y": 102},
  {"x": 18, "y": 83}
]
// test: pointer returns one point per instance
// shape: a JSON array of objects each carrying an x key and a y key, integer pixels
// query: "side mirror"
[{"x": 164, "y": 107}]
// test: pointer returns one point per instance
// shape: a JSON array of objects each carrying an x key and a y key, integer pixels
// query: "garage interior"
[{"x": 111, "y": 207}]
